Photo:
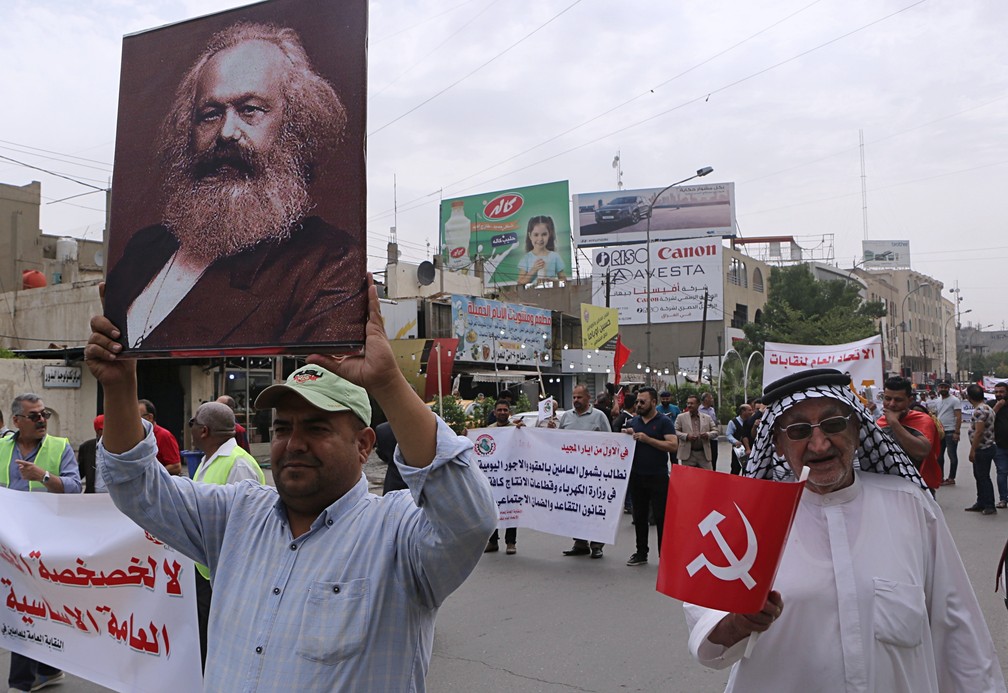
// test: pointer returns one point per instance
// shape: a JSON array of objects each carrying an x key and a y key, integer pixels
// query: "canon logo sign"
[
  {"x": 621, "y": 257},
  {"x": 667, "y": 253}
]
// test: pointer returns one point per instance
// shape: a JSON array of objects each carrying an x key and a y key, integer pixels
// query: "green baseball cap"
[{"x": 321, "y": 389}]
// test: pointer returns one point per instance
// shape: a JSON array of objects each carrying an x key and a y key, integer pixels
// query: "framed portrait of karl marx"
[{"x": 238, "y": 198}]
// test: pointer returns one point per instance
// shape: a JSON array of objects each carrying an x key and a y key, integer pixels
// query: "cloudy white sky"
[{"x": 469, "y": 96}]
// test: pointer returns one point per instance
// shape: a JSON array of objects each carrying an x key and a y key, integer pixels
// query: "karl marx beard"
[{"x": 230, "y": 197}]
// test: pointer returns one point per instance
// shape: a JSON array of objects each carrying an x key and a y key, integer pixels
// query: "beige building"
[
  {"x": 24, "y": 248},
  {"x": 919, "y": 330}
]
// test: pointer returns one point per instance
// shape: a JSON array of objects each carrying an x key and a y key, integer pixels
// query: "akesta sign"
[{"x": 495, "y": 228}]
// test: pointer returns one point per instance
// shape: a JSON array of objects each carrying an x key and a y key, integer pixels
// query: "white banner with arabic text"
[
  {"x": 862, "y": 360},
  {"x": 569, "y": 483},
  {"x": 86, "y": 590}
]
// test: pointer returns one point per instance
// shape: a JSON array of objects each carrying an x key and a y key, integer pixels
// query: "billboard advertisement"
[
  {"x": 501, "y": 334},
  {"x": 685, "y": 211},
  {"x": 680, "y": 273},
  {"x": 885, "y": 254},
  {"x": 522, "y": 235},
  {"x": 237, "y": 223}
]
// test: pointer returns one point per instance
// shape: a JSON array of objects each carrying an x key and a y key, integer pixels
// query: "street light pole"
[
  {"x": 699, "y": 174},
  {"x": 945, "y": 343}
]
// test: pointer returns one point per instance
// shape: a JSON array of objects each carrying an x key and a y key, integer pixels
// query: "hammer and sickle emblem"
[{"x": 737, "y": 568}]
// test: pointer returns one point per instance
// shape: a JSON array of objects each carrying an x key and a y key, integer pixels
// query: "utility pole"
[{"x": 703, "y": 338}]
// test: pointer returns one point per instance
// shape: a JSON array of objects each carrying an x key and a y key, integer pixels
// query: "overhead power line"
[
  {"x": 410, "y": 205},
  {"x": 478, "y": 68}
]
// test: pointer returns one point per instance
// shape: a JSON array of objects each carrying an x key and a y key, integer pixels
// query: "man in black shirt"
[
  {"x": 1001, "y": 442},
  {"x": 649, "y": 475}
]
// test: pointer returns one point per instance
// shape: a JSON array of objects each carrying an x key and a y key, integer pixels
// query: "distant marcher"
[
  {"x": 167, "y": 445},
  {"x": 982, "y": 449},
  {"x": 241, "y": 434},
  {"x": 948, "y": 409},
  {"x": 1001, "y": 442},
  {"x": 584, "y": 417},
  {"x": 740, "y": 446},
  {"x": 502, "y": 419},
  {"x": 708, "y": 407},
  {"x": 666, "y": 406},
  {"x": 695, "y": 431},
  {"x": 33, "y": 460},
  {"x": 913, "y": 431},
  {"x": 213, "y": 427},
  {"x": 86, "y": 459},
  {"x": 649, "y": 473}
]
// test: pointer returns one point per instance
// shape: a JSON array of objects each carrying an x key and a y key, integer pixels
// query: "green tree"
[{"x": 801, "y": 309}]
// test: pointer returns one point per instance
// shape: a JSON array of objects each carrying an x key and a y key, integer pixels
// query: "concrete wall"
[
  {"x": 36, "y": 318},
  {"x": 73, "y": 409}
]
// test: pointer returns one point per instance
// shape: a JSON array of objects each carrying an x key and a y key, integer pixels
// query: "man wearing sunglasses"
[
  {"x": 871, "y": 594},
  {"x": 32, "y": 460}
]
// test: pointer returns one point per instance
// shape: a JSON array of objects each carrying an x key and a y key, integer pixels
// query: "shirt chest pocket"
[
  {"x": 334, "y": 625},
  {"x": 899, "y": 613}
]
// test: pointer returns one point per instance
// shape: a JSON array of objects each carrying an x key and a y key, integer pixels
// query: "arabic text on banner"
[
  {"x": 88, "y": 591},
  {"x": 863, "y": 360},
  {"x": 569, "y": 483}
]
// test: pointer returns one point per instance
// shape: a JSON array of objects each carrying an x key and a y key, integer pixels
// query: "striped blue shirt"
[{"x": 349, "y": 605}]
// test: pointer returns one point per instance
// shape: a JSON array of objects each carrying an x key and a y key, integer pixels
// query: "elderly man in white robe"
[{"x": 871, "y": 594}]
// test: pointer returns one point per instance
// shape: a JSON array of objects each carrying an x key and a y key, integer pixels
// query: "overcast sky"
[{"x": 771, "y": 94}]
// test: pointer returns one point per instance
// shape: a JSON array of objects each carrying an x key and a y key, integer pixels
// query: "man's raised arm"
[
  {"x": 117, "y": 376},
  {"x": 412, "y": 421}
]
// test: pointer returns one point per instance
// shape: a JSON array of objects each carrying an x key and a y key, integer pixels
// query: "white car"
[{"x": 531, "y": 418}]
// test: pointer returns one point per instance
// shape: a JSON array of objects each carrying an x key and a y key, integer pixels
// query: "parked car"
[
  {"x": 530, "y": 418},
  {"x": 626, "y": 208}
]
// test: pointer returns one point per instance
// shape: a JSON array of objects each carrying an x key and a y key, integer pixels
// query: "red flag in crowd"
[
  {"x": 619, "y": 358},
  {"x": 724, "y": 537}
]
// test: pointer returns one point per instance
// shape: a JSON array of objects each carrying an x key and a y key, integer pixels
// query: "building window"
[
  {"x": 757, "y": 280},
  {"x": 737, "y": 273},
  {"x": 741, "y": 316}
]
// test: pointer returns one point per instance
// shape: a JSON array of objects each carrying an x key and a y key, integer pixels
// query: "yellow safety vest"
[
  {"x": 218, "y": 474},
  {"x": 48, "y": 458}
]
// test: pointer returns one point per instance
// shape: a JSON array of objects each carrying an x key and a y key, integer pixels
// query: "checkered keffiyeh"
[{"x": 877, "y": 451}]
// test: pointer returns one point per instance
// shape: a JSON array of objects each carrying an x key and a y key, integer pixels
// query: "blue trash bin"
[{"x": 192, "y": 459}]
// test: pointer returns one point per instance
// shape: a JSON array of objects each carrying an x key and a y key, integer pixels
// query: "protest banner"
[
  {"x": 724, "y": 538},
  {"x": 568, "y": 483},
  {"x": 862, "y": 360},
  {"x": 86, "y": 590}
]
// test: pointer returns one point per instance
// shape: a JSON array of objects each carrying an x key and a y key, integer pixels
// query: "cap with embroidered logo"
[{"x": 321, "y": 389}]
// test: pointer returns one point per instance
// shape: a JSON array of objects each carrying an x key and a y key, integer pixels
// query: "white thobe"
[{"x": 875, "y": 597}]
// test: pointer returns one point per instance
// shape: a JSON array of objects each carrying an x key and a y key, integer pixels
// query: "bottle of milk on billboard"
[{"x": 458, "y": 230}]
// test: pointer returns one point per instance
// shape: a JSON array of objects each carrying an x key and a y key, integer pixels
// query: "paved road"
[{"x": 539, "y": 622}]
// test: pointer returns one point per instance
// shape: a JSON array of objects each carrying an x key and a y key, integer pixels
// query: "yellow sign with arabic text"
[{"x": 598, "y": 325}]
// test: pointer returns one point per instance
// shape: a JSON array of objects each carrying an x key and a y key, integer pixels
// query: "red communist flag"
[
  {"x": 724, "y": 537},
  {"x": 619, "y": 358}
]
